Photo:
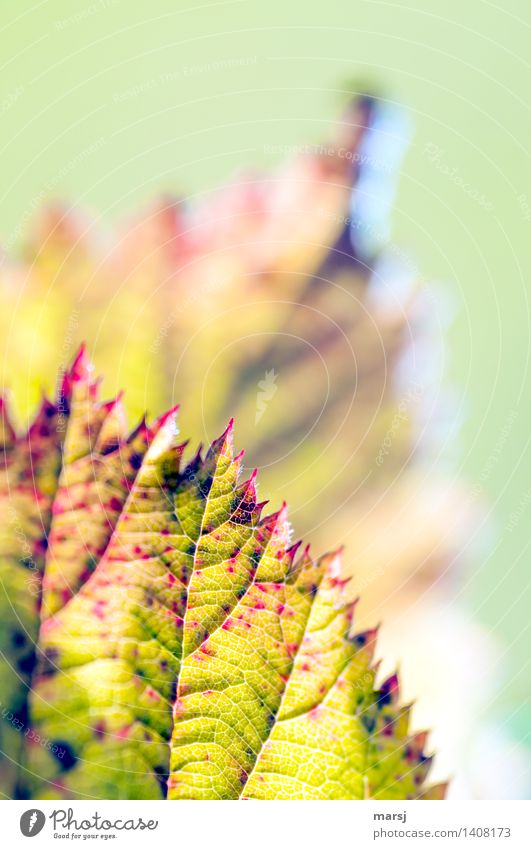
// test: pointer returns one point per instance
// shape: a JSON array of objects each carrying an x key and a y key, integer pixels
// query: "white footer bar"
[{"x": 271, "y": 825}]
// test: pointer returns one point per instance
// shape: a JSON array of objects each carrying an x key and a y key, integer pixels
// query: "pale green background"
[{"x": 67, "y": 93}]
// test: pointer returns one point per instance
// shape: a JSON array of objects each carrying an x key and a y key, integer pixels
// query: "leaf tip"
[
  {"x": 389, "y": 692},
  {"x": 81, "y": 364},
  {"x": 169, "y": 416}
]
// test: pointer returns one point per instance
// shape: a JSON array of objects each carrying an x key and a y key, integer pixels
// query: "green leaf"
[
  {"x": 28, "y": 479},
  {"x": 187, "y": 650}
]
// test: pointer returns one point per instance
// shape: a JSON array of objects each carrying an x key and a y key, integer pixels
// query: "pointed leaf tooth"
[
  {"x": 170, "y": 415},
  {"x": 246, "y": 497},
  {"x": 306, "y": 573},
  {"x": 420, "y": 739},
  {"x": 248, "y": 487},
  {"x": 195, "y": 463},
  {"x": 421, "y": 769},
  {"x": 271, "y": 520},
  {"x": 389, "y": 691},
  {"x": 109, "y": 405},
  {"x": 366, "y": 640},
  {"x": 223, "y": 444},
  {"x": 141, "y": 431},
  {"x": 399, "y": 720},
  {"x": 95, "y": 386},
  {"x": 259, "y": 508},
  {"x": 78, "y": 401},
  {"x": 274, "y": 529},
  {"x": 114, "y": 426},
  {"x": 163, "y": 433},
  {"x": 283, "y": 512},
  {"x": 305, "y": 558},
  {"x": 332, "y": 590},
  {"x": 79, "y": 371},
  {"x": 294, "y": 548},
  {"x": 291, "y": 555},
  {"x": 350, "y": 608},
  {"x": 332, "y": 564},
  {"x": 81, "y": 368},
  {"x": 176, "y": 462}
]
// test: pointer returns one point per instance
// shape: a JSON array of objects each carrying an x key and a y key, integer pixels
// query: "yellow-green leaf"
[{"x": 186, "y": 648}]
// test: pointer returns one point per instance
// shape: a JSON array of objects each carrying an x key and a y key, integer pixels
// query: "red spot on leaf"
[
  {"x": 152, "y": 694},
  {"x": 98, "y": 609}
]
